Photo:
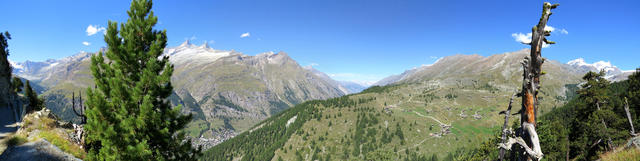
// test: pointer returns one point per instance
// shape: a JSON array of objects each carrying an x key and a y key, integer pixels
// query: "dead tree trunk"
[
  {"x": 530, "y": 84},
  {"x": 79, "y": 112},
  {"x": 505, "y": 131},
  {"x": 626, "y": 109}
]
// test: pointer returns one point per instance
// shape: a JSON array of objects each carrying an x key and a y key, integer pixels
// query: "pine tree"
[
  {"x": 16, "y": 85},
  {"x": 35, "y": 103},
  {"x": 128, "y": 113},
  {"x": 634, "y": 92},
  {"x": 596, "y": 115},
  {"x": 5, "y": 69}
]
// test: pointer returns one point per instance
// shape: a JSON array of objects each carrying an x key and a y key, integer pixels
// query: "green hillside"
[
  {"x": 396, "y": 121},
  {"x": 449, "y": 105}
]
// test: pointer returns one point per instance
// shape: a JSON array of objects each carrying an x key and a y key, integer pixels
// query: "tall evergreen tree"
[
  {"x": 5, "y": 69},
  {"x": 35, "y": 103},
  {"x": 16, "y": 85},
  {"x": 634, "y": 92},
  {"x": 128, "y": 114},
  {"x": 594, "y": 116}
]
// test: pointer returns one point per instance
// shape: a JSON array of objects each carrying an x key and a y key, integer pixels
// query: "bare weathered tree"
[
  {"x": 626, "y": 109},
  {"x": 80, "y": 111},
  {"x": 506, "y": 132},
  {"x": 528, "y": 137}
]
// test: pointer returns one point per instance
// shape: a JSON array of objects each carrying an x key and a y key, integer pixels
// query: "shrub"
[{"x": 15, "y": 140}]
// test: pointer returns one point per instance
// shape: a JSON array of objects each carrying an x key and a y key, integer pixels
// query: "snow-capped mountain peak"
[
  {"x": 15, "y": 65},
  {"x": 189, "y": 53},
  {"x": 205, "y": 45},
  {"x": 577, "y": 62},
  {"x": 186, "y": 43},
  {"x": 597, "y": 66},
  {"x": 612, "y": 72}
]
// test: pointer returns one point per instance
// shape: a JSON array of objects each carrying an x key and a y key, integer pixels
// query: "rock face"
[
  {"x": 224, "y": 90},
  {"x": 38, "y": 150},
  {"x": 233, "y": 91}
]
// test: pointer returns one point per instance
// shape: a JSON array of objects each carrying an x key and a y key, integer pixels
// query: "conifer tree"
[
  {"x": 596, "y": 114},
  {"x": 16, "y": 85},
  {"x": 5, "y": 69},
  {"x": 35, "y": 103},
  {"x": 634, "y": 92},
  {"x": 128, "y": 113}
]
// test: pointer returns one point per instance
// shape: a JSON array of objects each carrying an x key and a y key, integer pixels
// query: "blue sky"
[{"x": 349, "y": 40}]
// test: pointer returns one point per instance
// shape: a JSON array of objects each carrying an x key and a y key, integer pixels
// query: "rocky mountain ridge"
[
  {"x": 227, "y": 91},
  {"x": 577, "y": 66}
]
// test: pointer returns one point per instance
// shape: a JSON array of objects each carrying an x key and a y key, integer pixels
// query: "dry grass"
[
  {"x": 631, "y": 154},
  {"x": 63, "y": 143}
]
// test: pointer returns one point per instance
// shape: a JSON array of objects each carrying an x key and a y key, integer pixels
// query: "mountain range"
[
  {"x": 612, "y": 72},
  {"x": 229, "y": 92},
  {"x": 226, "y": 91}
]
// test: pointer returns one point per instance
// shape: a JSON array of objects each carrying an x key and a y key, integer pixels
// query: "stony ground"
[
  {"x": 40, "y": 137},
  {"x": 38, "y": 150}
]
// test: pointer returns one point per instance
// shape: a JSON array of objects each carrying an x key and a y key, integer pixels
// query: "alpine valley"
[
  {"x": 453, "y": 102},
  {"x": 432, "y": 110}
]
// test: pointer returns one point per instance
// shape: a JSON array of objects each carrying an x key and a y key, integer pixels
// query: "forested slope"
[{"x": 576, "y": 131}]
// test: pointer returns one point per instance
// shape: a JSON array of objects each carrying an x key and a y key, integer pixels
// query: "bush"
[{"x": 15, "y": 140}]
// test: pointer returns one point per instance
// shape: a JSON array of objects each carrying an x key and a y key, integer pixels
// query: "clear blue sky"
[{"x": 352, "y": 40}]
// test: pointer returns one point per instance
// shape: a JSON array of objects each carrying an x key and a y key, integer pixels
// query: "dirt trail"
[
  {"x": 7, "y": 125},
  {"x": 431, "y": 117},
  {"x": 7, "y": 121}
]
